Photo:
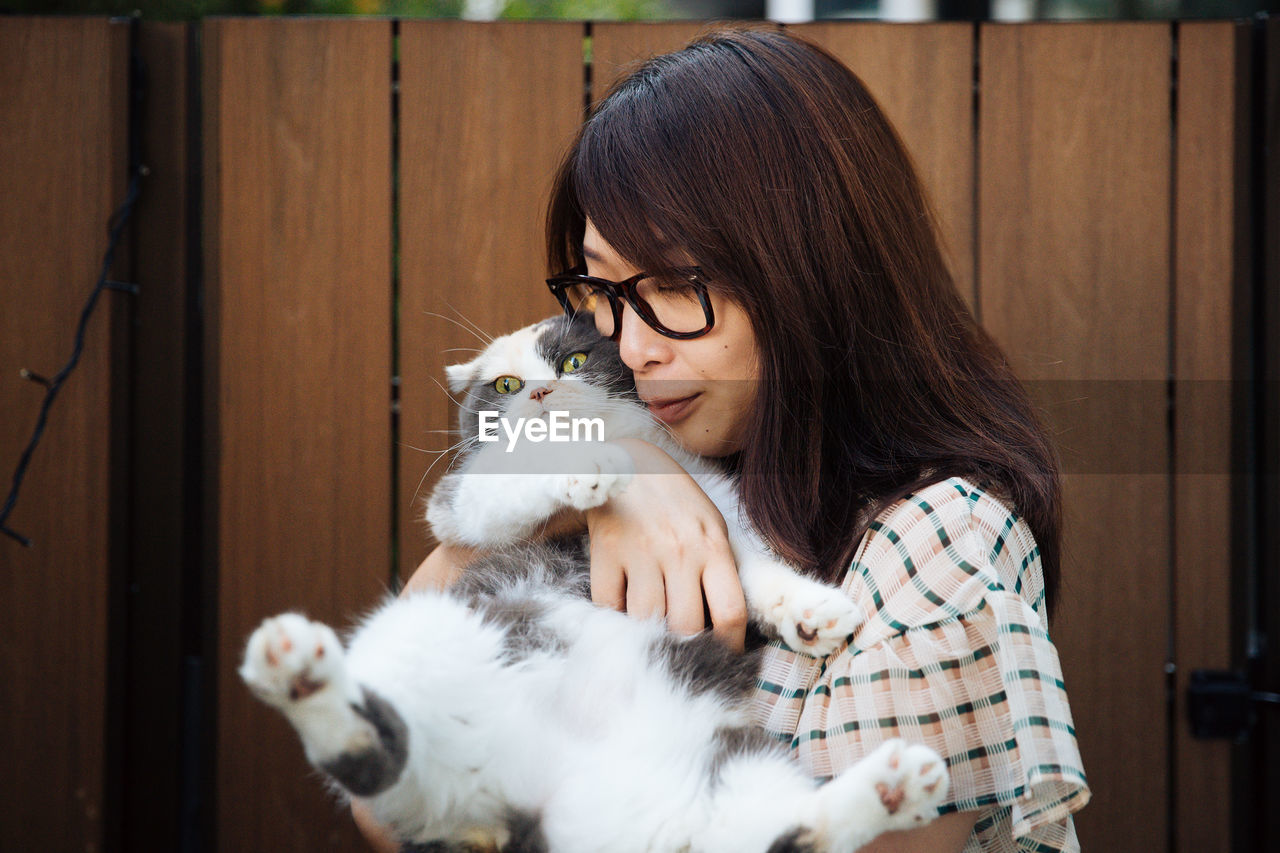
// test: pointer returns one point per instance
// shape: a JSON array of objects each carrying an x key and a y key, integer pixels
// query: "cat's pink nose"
[{"x": 539, "y": 393}]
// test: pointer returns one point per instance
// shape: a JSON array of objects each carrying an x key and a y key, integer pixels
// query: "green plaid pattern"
[{"x": 953, "y": 654}]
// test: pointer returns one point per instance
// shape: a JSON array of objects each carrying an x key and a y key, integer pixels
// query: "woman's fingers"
[
  {"x": 608, "y": 578},
  {"x": 646, "y": 591},
  {"x": 726, "y": 602},
  {"x": 685, "y": 612}
]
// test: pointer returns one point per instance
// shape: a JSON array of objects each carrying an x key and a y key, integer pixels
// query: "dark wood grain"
[
  {"x": 922, "y": 77},
  {"x": 62, "y": 174},
  {"x": 297, "y": 121},
  {"x": 1212, "y": 270},
  {"x": 1263, "y": 751},
  {"x": 486, "y": 111},
  {"x": 1073, "y": 279},
  {"x": 155, "y": 619}
]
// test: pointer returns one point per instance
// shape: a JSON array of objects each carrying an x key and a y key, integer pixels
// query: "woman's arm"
[
  {"x": 374, "y": 833},
  {"x": 660, "y": 548}
]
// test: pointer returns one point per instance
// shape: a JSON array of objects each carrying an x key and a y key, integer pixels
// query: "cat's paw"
[
  {"x": 599, "y": 478},
  {"x": 813, "y": 618},
  {"x": 289, "y": 659},
  {"x": 910, "y": 780}
]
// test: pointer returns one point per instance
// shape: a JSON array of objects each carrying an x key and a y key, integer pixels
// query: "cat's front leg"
[
  {"x": 810, "y": 617},
  {"x": 499, "y": 500},
  {"x": 601, "y": 473},
  {"x": 348, "y": 732}
]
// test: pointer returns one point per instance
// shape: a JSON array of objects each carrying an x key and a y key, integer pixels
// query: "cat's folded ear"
[{"x": 461, "y": 375}]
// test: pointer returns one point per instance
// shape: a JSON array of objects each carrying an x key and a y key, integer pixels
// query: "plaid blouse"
[{"x": 954, "y": 653}]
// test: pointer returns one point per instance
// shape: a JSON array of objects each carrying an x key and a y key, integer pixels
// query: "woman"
[{"x": 880, "y": 439}]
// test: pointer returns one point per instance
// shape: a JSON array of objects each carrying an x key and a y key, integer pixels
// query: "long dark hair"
[{"x": 771, "y": 165}]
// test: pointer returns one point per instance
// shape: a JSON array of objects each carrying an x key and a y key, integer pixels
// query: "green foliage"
[
  {"x": 589, "y": 10},
  {"x": 186, "y": 10},
  {"x": 422, "y": 8}
]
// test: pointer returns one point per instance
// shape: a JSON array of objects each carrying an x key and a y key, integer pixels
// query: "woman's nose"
[{"x": 640, "y": 346}]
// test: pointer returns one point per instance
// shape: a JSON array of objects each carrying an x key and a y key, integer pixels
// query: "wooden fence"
[{"x": 330, "y": 201}]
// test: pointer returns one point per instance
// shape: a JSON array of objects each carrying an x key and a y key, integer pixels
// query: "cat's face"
[{"x": 556, "y": 365}]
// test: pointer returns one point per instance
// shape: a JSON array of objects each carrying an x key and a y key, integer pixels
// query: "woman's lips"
[{"x": 673, "y": 410}]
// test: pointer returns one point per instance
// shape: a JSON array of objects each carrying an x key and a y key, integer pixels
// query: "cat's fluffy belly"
[{"x": 513, "y": 702}]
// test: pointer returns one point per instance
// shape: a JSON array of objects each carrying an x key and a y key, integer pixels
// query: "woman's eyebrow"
[{"x": 590, "y": 253}]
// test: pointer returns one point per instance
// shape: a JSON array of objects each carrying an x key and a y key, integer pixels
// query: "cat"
[
  {"x": 511, "y": 711},
  {"x": 503, "y": 491}
]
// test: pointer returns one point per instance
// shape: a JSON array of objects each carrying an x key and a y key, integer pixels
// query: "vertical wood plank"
[
  {"x": 922, "y": 77},
  {"x": 1212, "y": 268},
  {"x": 617, "y": 46},
  {"x": 298, "y": 245},
  {"x": 486, "y": 112},
  {"x": 63, "y": 85},
  {"x": 1073, "y": 272}
]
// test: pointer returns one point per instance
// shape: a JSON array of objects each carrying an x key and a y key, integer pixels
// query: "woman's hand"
[{"x": 661, "y": 548}]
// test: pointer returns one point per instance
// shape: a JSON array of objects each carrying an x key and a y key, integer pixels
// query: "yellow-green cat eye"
[
  {"x": 507, "y": 385},
  {"x": 573, "y": 362}
]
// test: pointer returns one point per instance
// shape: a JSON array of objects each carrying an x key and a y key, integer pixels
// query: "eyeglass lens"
[{"x": 671, "y": 300}]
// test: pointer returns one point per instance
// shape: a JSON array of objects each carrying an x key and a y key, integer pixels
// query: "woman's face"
[{"x": 702, "y": 389}]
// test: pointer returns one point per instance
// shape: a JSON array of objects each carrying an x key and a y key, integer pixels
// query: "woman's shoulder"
[{"x": 941, "y": 552}]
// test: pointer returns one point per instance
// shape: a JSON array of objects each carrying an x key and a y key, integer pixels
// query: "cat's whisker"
[
  {"x": 484, "y": 339},
  {"x": 449, "y": 394},
  {"x": 479, "y": 331},
  {"x": 440, "y": 454},
  {"x": 408, "y": 446}
]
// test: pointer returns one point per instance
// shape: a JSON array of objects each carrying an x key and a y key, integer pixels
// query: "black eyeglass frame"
[{"x": 616, "y": 291}]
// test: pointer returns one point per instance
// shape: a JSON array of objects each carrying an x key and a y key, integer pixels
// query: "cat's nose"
[{"x": 539, "y": 393}]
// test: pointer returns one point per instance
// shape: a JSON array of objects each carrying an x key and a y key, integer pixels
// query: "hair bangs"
[{"x": 627, "y": 196}]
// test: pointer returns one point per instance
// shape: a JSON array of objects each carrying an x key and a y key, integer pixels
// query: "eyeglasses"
[{"x": 672, "y": 303}]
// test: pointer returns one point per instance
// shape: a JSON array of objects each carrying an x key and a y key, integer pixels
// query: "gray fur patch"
[
  {"x": 560, "y": 338},
  {"x": 734, "y": 742},
  {"x": 525, "y": 632},
  {"x": 512, "y": 588},
  {"x": 559, "y": 566},
  {"x": 703, "y": 665},
  {"x": 526, "y": 833},
  {"x": 377, "y": 768},
  {"x": 793, "y": 842}
]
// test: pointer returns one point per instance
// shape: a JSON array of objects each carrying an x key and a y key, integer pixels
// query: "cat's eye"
[
  {"x": 573, "y": 362},
  {"x": 507, "y": 385}
]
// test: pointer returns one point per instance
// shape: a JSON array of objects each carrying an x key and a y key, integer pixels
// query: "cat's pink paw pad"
[
  {"x": 815, "y": 619},
  {"x": 290, "y": 658},
  {"x": 911, "y": 781}
]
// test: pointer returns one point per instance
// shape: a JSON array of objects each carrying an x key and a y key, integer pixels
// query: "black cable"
[{"x": 52, "y": 386}]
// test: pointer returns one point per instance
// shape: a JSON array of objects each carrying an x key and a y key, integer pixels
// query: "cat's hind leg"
[
  {"x": 897, "y": 786},
  {"x": 348, "y": 732},
  {"x": 761, "y": 802}
]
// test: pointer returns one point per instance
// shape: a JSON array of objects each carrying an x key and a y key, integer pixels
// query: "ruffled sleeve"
[{"x": 953, "y": 653}]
